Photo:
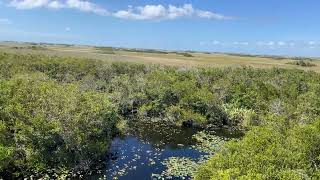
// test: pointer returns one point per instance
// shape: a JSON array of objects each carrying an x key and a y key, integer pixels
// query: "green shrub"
[
  {"x": 270, "y": 152},
  {"x": 49, "y": 125},
  {"x": 245, "y": 118},
  {"x": 179, "y": 116},
  {"x": 302, "y": 63},
  {"x": 60, "y": 112}
]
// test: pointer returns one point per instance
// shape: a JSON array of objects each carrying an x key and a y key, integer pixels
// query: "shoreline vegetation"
[{"x": 60, "y": 114}]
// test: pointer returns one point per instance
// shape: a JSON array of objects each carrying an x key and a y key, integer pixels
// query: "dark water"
[{"x": 139, "y": 154}]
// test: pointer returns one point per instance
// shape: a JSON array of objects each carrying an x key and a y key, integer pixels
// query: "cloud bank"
[
  {"x": 80, "y": 5},
  {"x": 147, "y": 12},
  {"x": 264, "y": 44},
  {"x": 160, "y": 12}
]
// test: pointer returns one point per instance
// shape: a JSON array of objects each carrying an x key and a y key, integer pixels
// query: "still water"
[{"x": 139, "y": 154}]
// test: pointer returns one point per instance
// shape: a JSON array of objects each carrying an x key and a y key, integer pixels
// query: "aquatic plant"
[{"x": 186, "y": 168}]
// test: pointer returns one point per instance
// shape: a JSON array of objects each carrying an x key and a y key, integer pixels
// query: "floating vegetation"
[
  {"x": 185, "y": 168},
  {"x": 207, "y": 142},
  {"x": 132, "y": 154},
  {"x": 146, "y": 147},
  {"x": 178, "y": 167}
]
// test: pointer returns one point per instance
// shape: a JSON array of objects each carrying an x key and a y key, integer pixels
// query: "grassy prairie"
[{"x": 156, "y": 57}]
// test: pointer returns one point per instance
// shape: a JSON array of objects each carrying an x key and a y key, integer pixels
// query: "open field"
[{"x": 157, "y": 57}]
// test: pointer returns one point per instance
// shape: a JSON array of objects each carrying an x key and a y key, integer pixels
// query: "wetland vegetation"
[
  {"x": 303, "y": 63},
  {"x": 71, "y": 117}
]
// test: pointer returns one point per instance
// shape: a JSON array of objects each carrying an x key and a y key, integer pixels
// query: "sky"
[{"x": 276, "y": 27}]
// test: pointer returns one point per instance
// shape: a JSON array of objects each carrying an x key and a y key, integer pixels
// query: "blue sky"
[{"x": 280, "y": 27}]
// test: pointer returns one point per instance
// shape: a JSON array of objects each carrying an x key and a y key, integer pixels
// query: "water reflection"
[
  {"x": 163, "y": 135},
  {"x": 140, "y": 153}
]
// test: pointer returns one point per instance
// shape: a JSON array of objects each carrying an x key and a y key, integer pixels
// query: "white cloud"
[
  {"x": 215, "y": 42},
  {"x": 265, "y": 44},
  {"x": 289, "y": 44},
  {"x": 211, "y": 15},
  {"x": 269, "y": 43},
  {"x": 175, "y": 12},
  {"x": 312, "y": 43},
  {"x": 144, "y": 13},
  {"x": 67, "y": 29},
  {"x": 86, "y": 6},
  {"x": 28, "y": 4},
  {"x": 5, "y": 21},
  {"x": 160, "y": 12},
  {"x": 81, "y": 5},
  {"x": 147, "y": 12},
  {"x": 209, "y": 43},
  {"x": 240, "y": 43},
  {"x": 55, "y": 5}
]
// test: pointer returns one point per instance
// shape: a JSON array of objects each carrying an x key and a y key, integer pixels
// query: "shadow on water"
[{"x": 163, "y": 135}]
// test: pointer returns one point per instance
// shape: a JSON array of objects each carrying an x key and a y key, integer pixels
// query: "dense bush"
[
  {"x": 269, "y": 152},
  {"x": 239, "y": 97},
  {"x": 302, "y": 63},
  {"x": 45, "y": 125},
  {"x": 62, "y": 112}
]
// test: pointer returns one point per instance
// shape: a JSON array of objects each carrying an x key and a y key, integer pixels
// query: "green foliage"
[
  {"x": 46, "y": 125},
  {"x": 186, "y": 168},
  {"x": 105, "y": 50},
  {"x": 62, "y": 112},
  {"x": 208, "y": 143},
  {"x": 241, "y": 117},
  {"x": 240, "y": 98},
  {"x": 269, "y": 152},
  {"x": 179, "y": 115},
  {"x": 185, "y": 54},
  {"x": 302, "y": 63},
  {"x": 178, "y": 167}
]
